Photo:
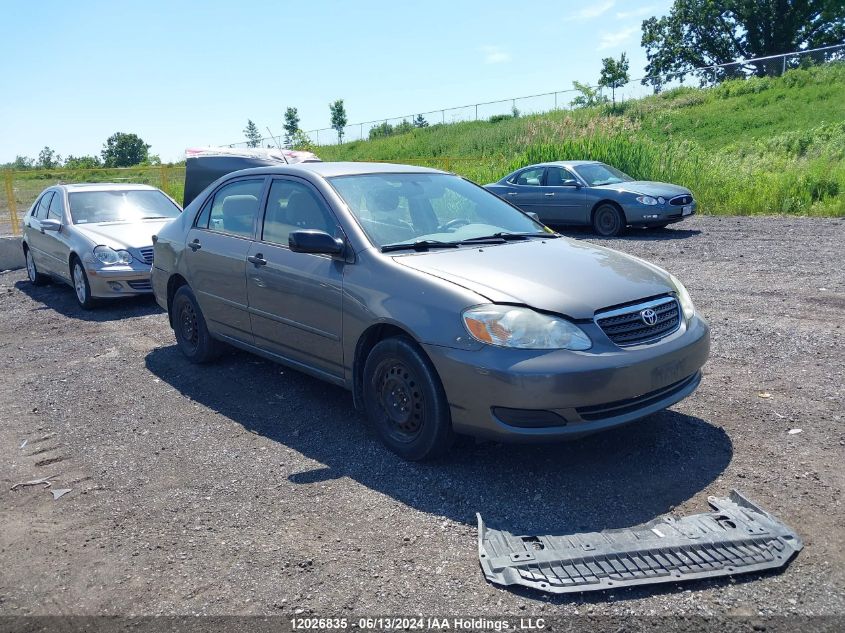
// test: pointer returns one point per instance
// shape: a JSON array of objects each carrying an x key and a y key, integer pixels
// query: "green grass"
[{"x": 756, "y": 146}]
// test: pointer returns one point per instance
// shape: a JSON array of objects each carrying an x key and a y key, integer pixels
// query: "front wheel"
[
  {"x": 192, "y": 334},
  {"x": 608, "y": 221},
  {"x": 405, "y": 401},
  {"x": 81, "y": 286}
]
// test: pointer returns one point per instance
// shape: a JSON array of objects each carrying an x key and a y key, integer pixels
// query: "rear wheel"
[
  {"x": 81, "y": 286},
  {"x": 608, "y": 221},
  {"x": 36, "y": 278},
  {"x": 192, "y": 334},
  {"x": 405, "y": 402}
]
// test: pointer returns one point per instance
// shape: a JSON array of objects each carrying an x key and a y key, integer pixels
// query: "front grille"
[
  {"x": 631, "y": 405},
  {"x": 143, "y": 284},
  {"x": 679, "y": 201},
  {"x": 147, "y": 254},
  {"x": 629, "y": 326}
]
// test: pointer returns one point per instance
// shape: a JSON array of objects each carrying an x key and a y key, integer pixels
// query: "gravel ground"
[{"x": 247, "y": 488}]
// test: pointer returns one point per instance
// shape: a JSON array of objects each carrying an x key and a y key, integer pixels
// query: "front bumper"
[
  {"x": 119, "y": 281},
  {"x": 535, "y": 395},
  {"x": 642, "y": 215}
]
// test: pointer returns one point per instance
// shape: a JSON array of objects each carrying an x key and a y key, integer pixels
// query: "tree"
[
  {"x": 48, "y": 159},
  {"x": 291, "y": 125},
  {"x": 338, "y": 112},
  {"x": 22, "y": 162},
  {"x": 381, "y": 130},
  {"x": 404, "y": 127},
  {"x": 301, "y": 141},
  {"x": 700, "y": 33},
  {"x": 124, "y": 150},
  {"x": 614, "y": 74},
  {"x": 588, "y": 98},
  {"x": 253, "y": 136},
  {"x": 82, "y": 162},
  {"x": 419, "y": 121}
]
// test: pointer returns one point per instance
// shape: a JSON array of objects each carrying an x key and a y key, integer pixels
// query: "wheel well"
[
  {"x": 612, "y": 203},
  {"x": 70, "y": 263},
  {"x": 368, "y": 340},
  {"x": 173, "y": 284}
]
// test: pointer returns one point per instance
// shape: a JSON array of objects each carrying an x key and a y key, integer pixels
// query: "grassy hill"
[{"x": 761, "y": 145}]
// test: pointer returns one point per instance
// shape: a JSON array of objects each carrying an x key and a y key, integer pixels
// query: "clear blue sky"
[{"x": 182, "y": 74}]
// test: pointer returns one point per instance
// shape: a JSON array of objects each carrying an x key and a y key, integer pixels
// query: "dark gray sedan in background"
[
  {"x": 590, "y": 193},
  {"x": 443, "y": 309}
]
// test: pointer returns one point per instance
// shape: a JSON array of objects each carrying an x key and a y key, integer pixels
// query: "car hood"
[
  {"x": 122, "y": 234},
  {"x": 649, "y": 188},
  {"x": 563, "y": 276}
]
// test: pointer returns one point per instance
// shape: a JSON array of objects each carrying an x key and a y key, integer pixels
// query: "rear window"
[{"x": 89, "y": 207}]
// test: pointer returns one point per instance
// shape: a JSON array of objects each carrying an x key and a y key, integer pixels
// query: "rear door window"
[
  {"x": 233, "y": 209},
  {"x": 530, "y": 177}
]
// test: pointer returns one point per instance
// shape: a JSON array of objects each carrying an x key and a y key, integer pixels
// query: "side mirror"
[
  {"x": 313, "y": 241},
  {"x": 571, "y": 182},
  {"x": 50, "y": 225}
]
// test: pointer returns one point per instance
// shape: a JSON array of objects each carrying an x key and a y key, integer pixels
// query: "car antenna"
[{"x": 281, "y": 151}]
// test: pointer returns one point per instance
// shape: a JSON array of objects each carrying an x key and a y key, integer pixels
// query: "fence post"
[
  {"x": 476, "y": 112},
  {"x": 163, "y": 177},
  {"x": 10, "y": 200},
  {"x": 784, "y": 65}
]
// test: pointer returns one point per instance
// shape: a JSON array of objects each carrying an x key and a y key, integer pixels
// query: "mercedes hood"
[{"x": 562, "y": 276}]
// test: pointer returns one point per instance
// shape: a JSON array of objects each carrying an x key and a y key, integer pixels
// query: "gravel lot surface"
[{"x": 244, "y": 487}]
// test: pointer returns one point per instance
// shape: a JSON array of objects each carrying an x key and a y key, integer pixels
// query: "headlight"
[
  {"x": 647, "y": 200},
  {"x": 683, "y": 298},
  {"x": 523, "y": 328},
  {"x": 110, "y": 257}
]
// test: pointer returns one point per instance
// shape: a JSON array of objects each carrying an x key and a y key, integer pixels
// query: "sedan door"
[
  {"x": 36, "y": 239},
  {"x": 57, "y": 243},
  {"x": 565, "y": 201},
  {"x": 524, "y": 190},
  {"x": 215, "y": 256},
  {"x": 295, "y": 299}
]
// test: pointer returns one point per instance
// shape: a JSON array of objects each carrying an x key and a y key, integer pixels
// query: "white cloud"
[
  {"x": 594, "y": 11},
  {"x": 495, "y": 55},
  {"x": 612, "y": 40},
  {"x": 635, "y": 13}
]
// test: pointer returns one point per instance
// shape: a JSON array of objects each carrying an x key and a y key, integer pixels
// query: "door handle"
[
  {"x": 511, "y": 193},
  {"x": 194, "y": 245},
  {"x": 549, "y": 195},
  {"x": 258, "y": 260}
]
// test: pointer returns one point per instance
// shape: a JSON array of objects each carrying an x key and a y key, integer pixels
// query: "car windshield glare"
[
  {"x": 396, "y": 209},
  {"x": 89, "y": 207},
  {"x": 597, "y": 174}
]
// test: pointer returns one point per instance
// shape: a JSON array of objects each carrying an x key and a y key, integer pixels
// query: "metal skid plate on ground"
[{"x": 736, "y": 538}]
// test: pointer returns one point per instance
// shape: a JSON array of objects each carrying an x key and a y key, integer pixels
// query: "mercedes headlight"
[
  {"x": 683, "y": 298},
  {"x": 111, "y": 257},
  {"x": 523, "y": 328}
]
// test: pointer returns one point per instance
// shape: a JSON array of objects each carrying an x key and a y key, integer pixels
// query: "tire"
[
  {"x": 35, "y": 278},
  {"x": 81, "y": 287},
  {"x": 405, "y": 401},
  {"x": 192, "y": 334},
  {"x": 608, "y": 221}
]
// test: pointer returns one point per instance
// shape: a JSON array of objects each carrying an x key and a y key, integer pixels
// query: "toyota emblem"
[{"x": 648, "y": 316}]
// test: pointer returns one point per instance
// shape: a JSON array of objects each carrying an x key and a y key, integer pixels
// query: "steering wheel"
[{"x": 453, "y": 224}]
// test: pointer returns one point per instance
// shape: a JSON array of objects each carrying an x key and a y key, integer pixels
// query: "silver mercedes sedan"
[
  {"x": 444, "y": 309},
  {"x": 98, "y": 238}
]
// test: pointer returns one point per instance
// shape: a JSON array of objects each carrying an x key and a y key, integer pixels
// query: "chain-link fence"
[
  {"x": 21, "y": 188},
  {"x": 562, "y": 99}
]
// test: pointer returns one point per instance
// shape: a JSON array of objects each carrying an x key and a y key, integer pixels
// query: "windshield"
[
  {"x": 436, "y": 209},
  {"x": 597, "y": 174},
  {"x": 88, "y": 207}
]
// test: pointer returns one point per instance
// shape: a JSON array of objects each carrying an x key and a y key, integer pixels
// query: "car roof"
[
  {"x": 329, "y": 170},
  {"x": 567, "y": 163},
  {"x": 106, "y": 186}
]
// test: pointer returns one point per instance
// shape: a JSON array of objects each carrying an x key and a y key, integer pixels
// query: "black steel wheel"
[
  {"x": 405, "y": 402},
  {"x": 192, "y": 334}
]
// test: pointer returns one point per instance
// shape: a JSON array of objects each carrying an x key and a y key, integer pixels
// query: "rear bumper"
[{"x": 535, "y": 396}]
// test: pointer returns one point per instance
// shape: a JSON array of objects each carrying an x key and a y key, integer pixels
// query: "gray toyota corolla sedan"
[
  {"x": 441, "y": 307},
  {"x": 98, "y": 238},
  {"x": 590, "y": 193}
]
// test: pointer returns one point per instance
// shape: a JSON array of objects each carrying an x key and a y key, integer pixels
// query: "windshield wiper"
[
  {"x": 505, "y": 237},
  {"x": 419, "y": 245},
  {"x": 155, "y": 217}
]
